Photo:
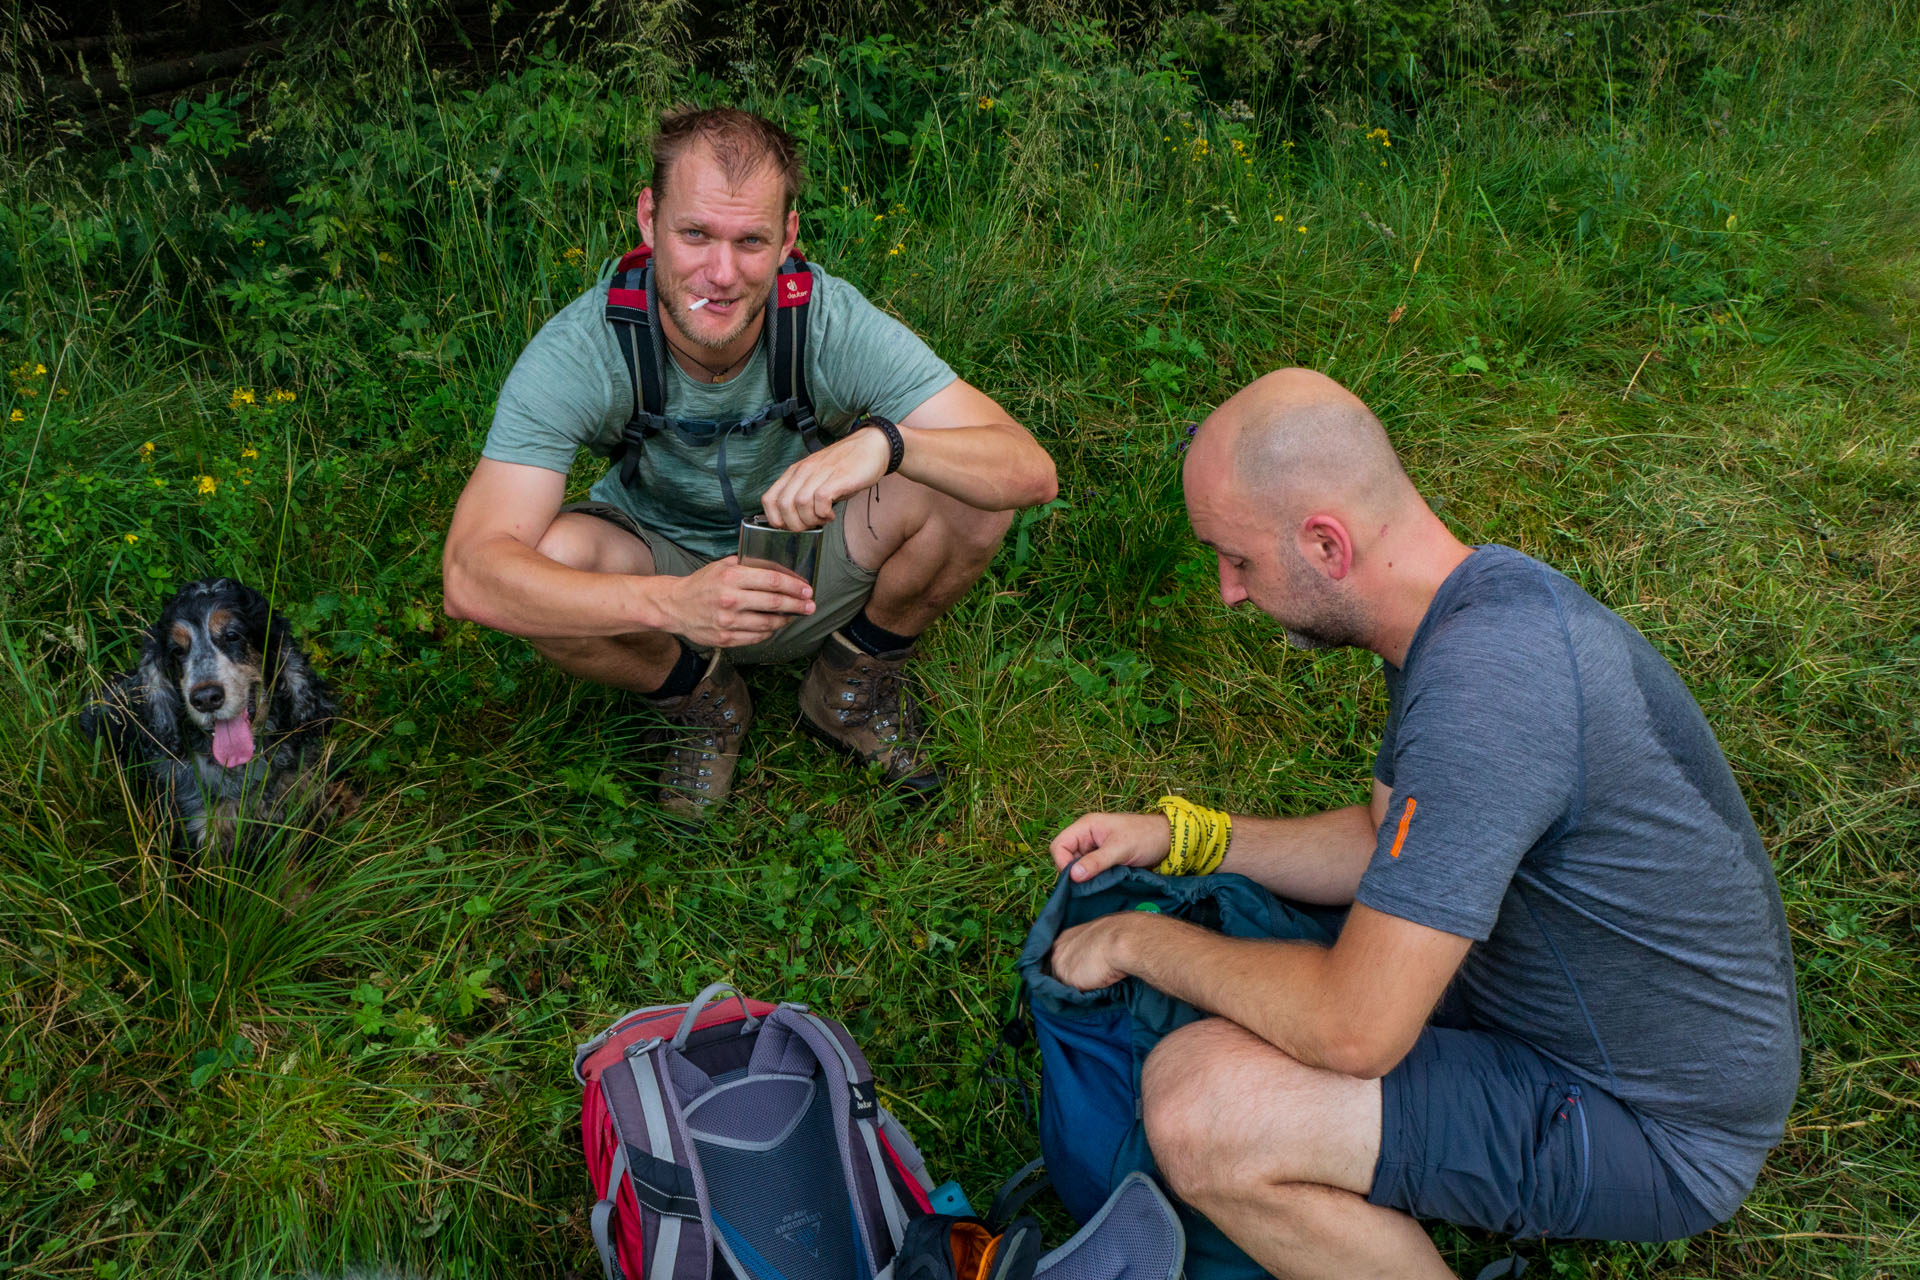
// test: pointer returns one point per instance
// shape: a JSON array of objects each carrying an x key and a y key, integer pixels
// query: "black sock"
[
  {"x": 871, "y": 639},
  {"x": 685, "y": 675}
]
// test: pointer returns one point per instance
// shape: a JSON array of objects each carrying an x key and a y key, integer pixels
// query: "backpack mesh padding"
[
  {"x": 774, "y": 1181},
  {"x": 1134, "y": 1237}
]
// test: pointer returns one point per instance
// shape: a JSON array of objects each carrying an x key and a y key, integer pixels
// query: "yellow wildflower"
[
  {"x": 130, "y": 538},
  {"x": 249, "y": 452},
  {"x": 574, "y": 255},
  {"x": 985, "y": 103},
  {"x": 1379, "y": 136},
  {"x": 1287, "y": 145},
  {"x": 16, "y": 416},
  {"x": 241, "y": 396},
  {"x": 1301, "y": 229},
  {"x": 879, "y": 217},
  {"x": 205, "y": 485},
  {"x": 388, "y": 258},
  {"x": 259, "y": 244},
  {"x": 39, "y": 369},
  {"x": 146, "y": 452},
  {"x": 278, "y": 396},
  {"x": 1279, "y": 217}
]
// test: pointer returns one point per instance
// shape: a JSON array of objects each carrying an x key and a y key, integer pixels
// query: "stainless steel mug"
[{"x": 795, "y": 550}]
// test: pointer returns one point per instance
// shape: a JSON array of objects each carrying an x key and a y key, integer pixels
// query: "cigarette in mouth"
[{"x": 699, "y": 303}]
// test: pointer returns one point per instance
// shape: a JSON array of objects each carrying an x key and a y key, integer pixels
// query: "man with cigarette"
[
  {"x": 717, "y": 400},
  {"x": 1562, "y": 1003}
]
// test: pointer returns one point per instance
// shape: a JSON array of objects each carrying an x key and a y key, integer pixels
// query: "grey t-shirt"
[
  {"x": 570, "y": 388},
  {"x": 1559, "y": 799}
]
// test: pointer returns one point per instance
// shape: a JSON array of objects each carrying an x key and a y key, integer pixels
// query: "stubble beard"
[
  {"x": 1330, "y": 619},
  {"x": 668, "y": 290}
]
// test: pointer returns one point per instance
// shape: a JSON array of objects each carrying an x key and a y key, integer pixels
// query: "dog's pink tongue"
[{"x": 233, "y": 742}]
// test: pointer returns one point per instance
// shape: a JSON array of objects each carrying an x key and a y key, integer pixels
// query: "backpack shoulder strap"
[
  {"x": 631, "y": 301},
  {"x": 661, "y": 1167},
  {"x": 787, "y": 357},
  {"x": 842, "y": 1057}
]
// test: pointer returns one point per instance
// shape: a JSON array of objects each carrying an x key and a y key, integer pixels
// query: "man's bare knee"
[
  {"x": 980, "y": 531},
  {"x": 1187, "y": 1117},
  {"x": 1213, "y": 1094},
  {"x": 586, "y": 655}
]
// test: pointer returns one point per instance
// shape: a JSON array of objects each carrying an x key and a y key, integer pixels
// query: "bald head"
[
  {"x": 1295, "y": 486},
  {"x": 1295, "y": 440}
]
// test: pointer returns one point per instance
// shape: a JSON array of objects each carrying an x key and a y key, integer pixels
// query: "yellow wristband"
[{"x": 1199, "y": 838}]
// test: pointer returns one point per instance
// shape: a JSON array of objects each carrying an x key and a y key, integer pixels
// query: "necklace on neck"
[{"x": 714, "y": 374}]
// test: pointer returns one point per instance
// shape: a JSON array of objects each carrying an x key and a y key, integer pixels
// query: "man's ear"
[
  {"x": 1326, "y": 545},
  {"x": 643, "y": 212},
  {"x": 793, "y": 234}
]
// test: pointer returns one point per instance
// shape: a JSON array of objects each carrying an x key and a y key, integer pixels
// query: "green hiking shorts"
[{"x": 841, "y": 589}]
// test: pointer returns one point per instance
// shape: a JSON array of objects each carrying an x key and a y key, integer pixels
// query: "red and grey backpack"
[
  {"x": 698, "y": 1117},
  {"x": 631, "y": 303},
  {"x": 729, "y": 1135}
]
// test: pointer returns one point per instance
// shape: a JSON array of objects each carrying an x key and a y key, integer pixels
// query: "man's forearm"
[
  {"x": 504, "y": 584},
  {"x": 994, "y": 467},
  {"x": 1318, "y": 858},
  {"x": 1278, "y": 990}
]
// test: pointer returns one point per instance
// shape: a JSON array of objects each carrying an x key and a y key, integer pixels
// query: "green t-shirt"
[{"x": 570, "y": 388}]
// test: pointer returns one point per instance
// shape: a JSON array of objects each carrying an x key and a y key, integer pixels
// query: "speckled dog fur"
[{"x": 217, "y": 652}]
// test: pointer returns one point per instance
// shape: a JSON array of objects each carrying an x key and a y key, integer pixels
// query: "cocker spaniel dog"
[{"x": 222, "y": 721}]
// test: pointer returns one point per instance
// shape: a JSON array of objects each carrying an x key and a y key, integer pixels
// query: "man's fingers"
[
  {"x": 748, "y": 604},
  {"x": 1086, "y": 847},
  {"x": 751, "y": 578},
  {"x": 1094, "y": 861},
  {"x": 1073, "y": 841}
]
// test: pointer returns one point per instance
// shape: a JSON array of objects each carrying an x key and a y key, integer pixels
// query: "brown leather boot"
[
  {"x": 856, "y": 703},
  {"x": 703, "y": 734}
]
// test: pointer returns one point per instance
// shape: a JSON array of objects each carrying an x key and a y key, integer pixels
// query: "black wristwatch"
[{"x": 896, "y": 446}]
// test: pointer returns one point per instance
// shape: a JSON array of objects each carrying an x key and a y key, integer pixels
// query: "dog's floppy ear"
[
  {"x": 155, "y": 689},
  {"x": 138, "y": 711},
  {"x": 300, "y": 694},
  {"x": 110, "y": 716}
]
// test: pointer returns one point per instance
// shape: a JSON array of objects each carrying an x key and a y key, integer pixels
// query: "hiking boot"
[
  {"x": 703, "y": 733},
  {"x": 856, "y": 703}
]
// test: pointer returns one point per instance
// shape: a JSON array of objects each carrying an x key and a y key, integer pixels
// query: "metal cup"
[{"x": 795, "y": 550}]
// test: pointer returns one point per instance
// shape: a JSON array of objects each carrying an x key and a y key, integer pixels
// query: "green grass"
[{"x": 1665, "y": 346}]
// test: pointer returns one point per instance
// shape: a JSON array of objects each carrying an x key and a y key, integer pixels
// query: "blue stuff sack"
[{"x": 1094, "y": 1043}]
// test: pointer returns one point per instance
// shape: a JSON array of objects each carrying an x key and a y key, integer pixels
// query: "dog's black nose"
[{"x": 207, "y": 697}]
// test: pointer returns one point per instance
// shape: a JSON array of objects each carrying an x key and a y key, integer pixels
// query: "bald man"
[{"x": 1562, "y": 1003}]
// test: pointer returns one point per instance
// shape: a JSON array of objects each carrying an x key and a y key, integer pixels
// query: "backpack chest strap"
[{"x": 631, "y": 308}]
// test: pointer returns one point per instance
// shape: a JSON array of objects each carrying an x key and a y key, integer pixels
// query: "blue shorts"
[{"x": 1476, "y": 1128}]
